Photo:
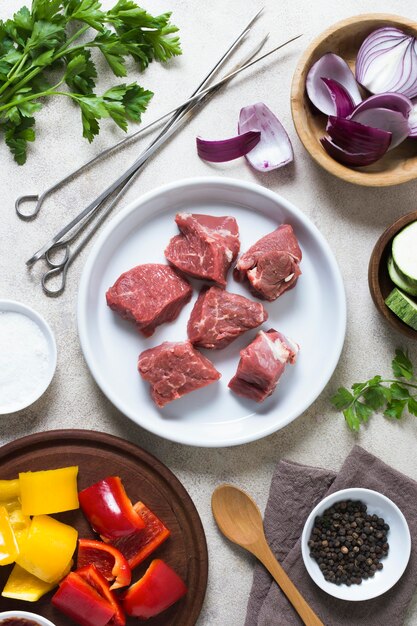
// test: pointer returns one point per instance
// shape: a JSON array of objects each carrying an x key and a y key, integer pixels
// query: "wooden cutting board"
[{"x": 145, "y": 478}]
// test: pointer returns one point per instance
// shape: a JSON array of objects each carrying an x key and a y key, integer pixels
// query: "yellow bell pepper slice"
[
  {"x": 49, "y": 491},
  {"x": 9, "y": 489},
  {"x": 21, "y": 585},
  {"x": 48, "y": 548},
  {"x": 8, "y": 544}
]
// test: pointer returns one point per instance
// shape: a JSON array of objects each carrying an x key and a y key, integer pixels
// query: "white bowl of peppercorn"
[{"x": 356, "y": 544}]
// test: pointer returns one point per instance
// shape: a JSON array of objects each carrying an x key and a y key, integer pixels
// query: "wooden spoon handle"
[{"x": 303, "y": 609}]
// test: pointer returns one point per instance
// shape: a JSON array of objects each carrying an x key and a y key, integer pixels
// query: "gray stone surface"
[{"x": 351, "y": 218}]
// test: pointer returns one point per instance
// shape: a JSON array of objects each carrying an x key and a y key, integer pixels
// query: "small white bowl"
[
  {"x": 17, "y": 307},
  {"x": 38, "y": 619},
  {"x": 394, "y": 563}
]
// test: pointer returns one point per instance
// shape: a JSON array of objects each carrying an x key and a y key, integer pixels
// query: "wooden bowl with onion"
[
  {"x": 380, "y": 283},
  {"x": 344, "y": 39}
]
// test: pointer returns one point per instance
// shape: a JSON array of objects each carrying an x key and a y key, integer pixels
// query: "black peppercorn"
[{"x": 347, "y": 543}]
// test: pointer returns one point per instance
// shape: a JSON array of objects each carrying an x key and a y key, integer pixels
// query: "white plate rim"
[{"x": 135, "y": 205}]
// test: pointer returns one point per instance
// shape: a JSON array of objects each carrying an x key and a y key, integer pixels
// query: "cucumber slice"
[
  {"x": 404, "y": 253},
  {"x": 403, "y": 307},
  {"x": 398, "y": 280}
]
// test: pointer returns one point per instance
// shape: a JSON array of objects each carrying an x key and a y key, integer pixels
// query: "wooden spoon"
[{"x": 240, "y": 520}]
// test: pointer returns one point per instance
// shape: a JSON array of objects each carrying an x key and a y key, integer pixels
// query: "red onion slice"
[
  {"x": 384, "y": 119},
  {"x": 333, "y": 67},
  {"x": 412, "y": 121},
  {"x": 387, "y": 62},
  {"x": 274, "y": 149},
  {"x": 382, "y": 39},
  {"x": 343, "y": 102},
  {"x": 227, "y": 149},
  {"x": 354, "y": 159},
  {"x": 394, "y": 101},
  {"x": 357, "y": 138}
]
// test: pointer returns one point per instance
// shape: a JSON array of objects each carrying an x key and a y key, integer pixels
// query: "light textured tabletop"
[{"x": 351, "y": 218}]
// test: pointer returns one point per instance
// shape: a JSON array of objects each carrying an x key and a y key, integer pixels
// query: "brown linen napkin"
[{"x": 295, "y": 490}]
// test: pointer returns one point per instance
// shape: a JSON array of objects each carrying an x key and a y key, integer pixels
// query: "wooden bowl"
[
  {"x": 380, "y": 284},
  {"x": 345, "y": 38}
]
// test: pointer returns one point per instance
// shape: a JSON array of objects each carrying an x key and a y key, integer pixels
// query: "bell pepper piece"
[
  {"x": 9, "y": 490},
  {"x": 94, "y": 578},
  {"x": 48, "y": 548},
  {"x": 139, "y": 545},
  {"x": 21, "y": 585},
  {"x": 109, "y": 510},
  {"x": 9, "y": 548},
  {"x": 158, "y": 589},
  {"x": 77, "y": 599},
  {"x": 49, "y": 491},
  {"x": 107, "y": 559}
]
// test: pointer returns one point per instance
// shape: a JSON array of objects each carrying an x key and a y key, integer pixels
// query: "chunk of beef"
[
  {"x": 271, "y": 265},
  {"x": 149, "y": 295},
  {"x": 219, "y": 317},
  {"x": 206, "y": 247},
  {"x": 261, "y": 365},
  {"x": 174, "y": 369}
]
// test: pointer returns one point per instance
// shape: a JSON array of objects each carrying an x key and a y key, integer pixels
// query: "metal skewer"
[
  {"x": 78, "y": 224},
  {"x": 40, "y": 198},
  {"x": 62, "y": 266},
  {"x": 40, "y": 253},
  {"x": 81, "y": 225}
]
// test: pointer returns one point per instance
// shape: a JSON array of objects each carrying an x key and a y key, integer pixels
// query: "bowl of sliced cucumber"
[{"x": 392, "y": 275}]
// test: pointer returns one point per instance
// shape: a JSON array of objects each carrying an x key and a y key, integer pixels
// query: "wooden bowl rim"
[
  {"x": 373, "y": 273},
  {"x": 356, "y": 177}
]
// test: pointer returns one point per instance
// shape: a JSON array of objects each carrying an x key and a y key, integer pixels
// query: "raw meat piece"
[
  {"x": 149, "y": 295},
  {"x": 219, "y": 317},
  {"x": 271, "y": 264},
  {"x": 261, "y": 365},
  {"x": 174, "y": 369},
  {"x": 206, "y": 247}
]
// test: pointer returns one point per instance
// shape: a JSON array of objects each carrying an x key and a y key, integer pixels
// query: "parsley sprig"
[
  {"x": 391, "y": 395},
  {"x": 57, "y": 37}
]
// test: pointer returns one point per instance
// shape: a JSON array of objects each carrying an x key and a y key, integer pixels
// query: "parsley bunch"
[
  {"x": 394, "y": 395},
  {"x": 49, "y": 46}
]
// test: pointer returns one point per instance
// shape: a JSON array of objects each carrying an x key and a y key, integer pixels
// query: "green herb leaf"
[
  {"x": 23, "y": 20},
  {"x": 398, "y": 392},
  {"x": 45, "y": 35},
  {"x": 342, "y": 399},
  {"x": 136, "y": 100},
  {"x": 88, "y": 11},
  {"x": 113, "y": 51},
  {"x": 363, "y": 412},
  {"x": 81, "y": 72},
  {"x": 16, "y": 138},
  {"x": 46, "y": 9},
  {"x": 395, "y": 408},
  {"x": 375, "y": 397},
  {"x": 44, "y": 38},
  {"x": 352, "y": 419},
  {"x": 402, "y": 366},
  {"x": 412, "y": 406}
]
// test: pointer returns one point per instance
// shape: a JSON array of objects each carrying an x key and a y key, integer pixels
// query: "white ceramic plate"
[
  {"x": 394, "y": 563},
  {"x": 313, "y": 314}
]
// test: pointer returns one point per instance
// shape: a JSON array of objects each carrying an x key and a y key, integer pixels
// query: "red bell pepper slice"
[
  {"x": 159, "y": 588},
  {"x": 77, "y": 599},
  {"x": 95, "y": 579},
  {"x": 109, "y": 510},
  {"x": 138, "y": 546},
  {"x": 107, "y": 559}
]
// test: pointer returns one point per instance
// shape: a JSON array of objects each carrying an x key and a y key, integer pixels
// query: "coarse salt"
[{"x": 24, "y": 361}]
